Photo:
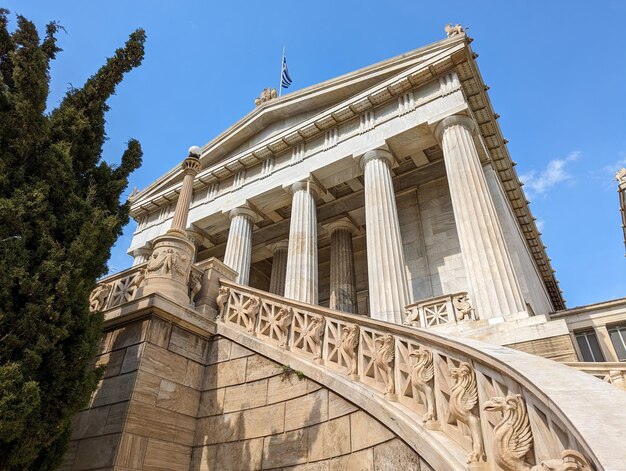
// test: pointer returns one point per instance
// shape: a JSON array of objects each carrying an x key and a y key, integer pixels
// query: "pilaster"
[
  {"x": 342, "y": 276},
  {"x": 279, "y": 267}
]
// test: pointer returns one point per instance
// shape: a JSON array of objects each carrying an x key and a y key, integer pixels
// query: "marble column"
[
  {"x": 238, "y": 253},
  {"x": 191, "y": 168},
  {"x": 342, "y": 277},
  {"x": 279, "y": 267},
  {"x": 385, "y": 259},
  {"x": 301, "y": 275},
  {"x": 493, "y": 285}
]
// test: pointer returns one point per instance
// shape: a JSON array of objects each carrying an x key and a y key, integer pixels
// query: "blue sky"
[{"x": 556, "y": 71}]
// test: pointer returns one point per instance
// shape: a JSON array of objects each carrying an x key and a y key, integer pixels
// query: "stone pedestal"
[
  {"x": 279, "y": 267},
  {"x": 494, "y": 288},
  {"x": 342, "y": 277},
  {"x": 168, "y": 268},
  {"x": 239, "y": 245},
  {"x": 213, "y": 271},
  {"x": 169, "y": 265},
  {"x": 301, "y": 275},
  {"x": 385, "y": 260}
]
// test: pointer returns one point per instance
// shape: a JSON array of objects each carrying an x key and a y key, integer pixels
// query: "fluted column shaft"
[
  {"x": 238, "y": 253},
  {"x": 494, "y": 287},
  {"x": 191, "y": 167},
  {"x": 301, "y": 281},
  {"x": 279, "y": 268},
  {"x": 342, "y": 277},
  {"x": 385, "y": 260}
]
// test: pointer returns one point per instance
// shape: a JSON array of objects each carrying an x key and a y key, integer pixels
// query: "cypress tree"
[{"x": 60, "y": 214}]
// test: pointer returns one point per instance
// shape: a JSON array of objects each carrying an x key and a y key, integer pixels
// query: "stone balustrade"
[
  {"x": 446, "y": 309},
  {"x": 497, "y": 408},
  {"x": 123, "y": 287},
  {"x": 611, "y": 372}
]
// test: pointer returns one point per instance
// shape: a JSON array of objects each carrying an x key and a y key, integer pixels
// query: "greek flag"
[{"x": 285, "y": 79}]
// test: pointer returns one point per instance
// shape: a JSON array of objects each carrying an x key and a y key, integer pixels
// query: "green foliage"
[
  {"x": 60, "y": 214},
  {"x": 287, "y": 372}
]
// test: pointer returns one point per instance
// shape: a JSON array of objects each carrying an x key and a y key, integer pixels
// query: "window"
[
  {"x": 618, "y": 338},
  {"x": 589, "y": 346}
]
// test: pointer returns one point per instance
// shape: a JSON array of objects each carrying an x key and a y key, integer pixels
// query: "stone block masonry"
[{"x": 174, "y": 400}]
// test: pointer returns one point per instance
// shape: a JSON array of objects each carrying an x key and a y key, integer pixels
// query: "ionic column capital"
[
  {"x": 456, "y": 119},
  {"x": 374, "y": 154}
]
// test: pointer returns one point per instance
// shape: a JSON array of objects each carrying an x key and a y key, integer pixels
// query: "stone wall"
[
  {"x": 174, "y": 400},
  {"x": 253, "y": 416}
]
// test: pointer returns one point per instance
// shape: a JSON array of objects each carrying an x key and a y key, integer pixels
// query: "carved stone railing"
[
  {"x": 446, "y": 309},
  {"x": 124, "y": 286},
  {"x": 611, "y": 372},
  {"x": 502, "y": 409}
]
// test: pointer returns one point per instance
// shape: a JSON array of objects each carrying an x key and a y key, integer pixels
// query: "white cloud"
[{"x": 539, "y": 183}]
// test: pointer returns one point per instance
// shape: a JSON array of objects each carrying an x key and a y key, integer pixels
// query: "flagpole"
[{"x": 280, "y": 82}]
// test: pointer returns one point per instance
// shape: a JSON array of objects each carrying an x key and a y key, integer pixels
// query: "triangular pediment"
[{"x": 294, "y": 109}]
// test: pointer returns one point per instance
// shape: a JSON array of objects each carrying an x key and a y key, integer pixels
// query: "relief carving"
[
  {"x": 315, "y": 332},
  {"x": 422, "y": 376},
  {"x": 249, "y": 311},
  {"x": 195, "y": 284},
  {"x": 98, "y": 297},
  {"x": 412, "y": 318},
  {"x": 222, "y": 297},
  {"x": 349, "y": 345},
  {"x": 385, "y": 354},
  {"x": 463, "y": 308},
  {"x": 282, "y": 320},
  {"x": 463, "y": 400},
  {"x": 168, "y": 261},
  {"x": 512, "y": 435},
  {"x": 513, "y": 440}
]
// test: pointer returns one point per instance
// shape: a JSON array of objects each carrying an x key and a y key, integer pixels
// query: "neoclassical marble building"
[{"x": 331, "y": 284}]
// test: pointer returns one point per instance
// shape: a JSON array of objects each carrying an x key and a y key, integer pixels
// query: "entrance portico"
[{"x": 404, "y": 161}]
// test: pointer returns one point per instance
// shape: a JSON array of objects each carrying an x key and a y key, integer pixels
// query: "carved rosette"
[
  {"x": 513, "y": 440},
  {"x": 463, "y": 402},
  {"x": 349, "y": 346},
  {"x": 98, "y": 297},
  {"x": 422, "y": 376},
  {"x": 282, "y": 321},
  {"x": 384, "y": 358},
  {"x": 221, "y": 300}
]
